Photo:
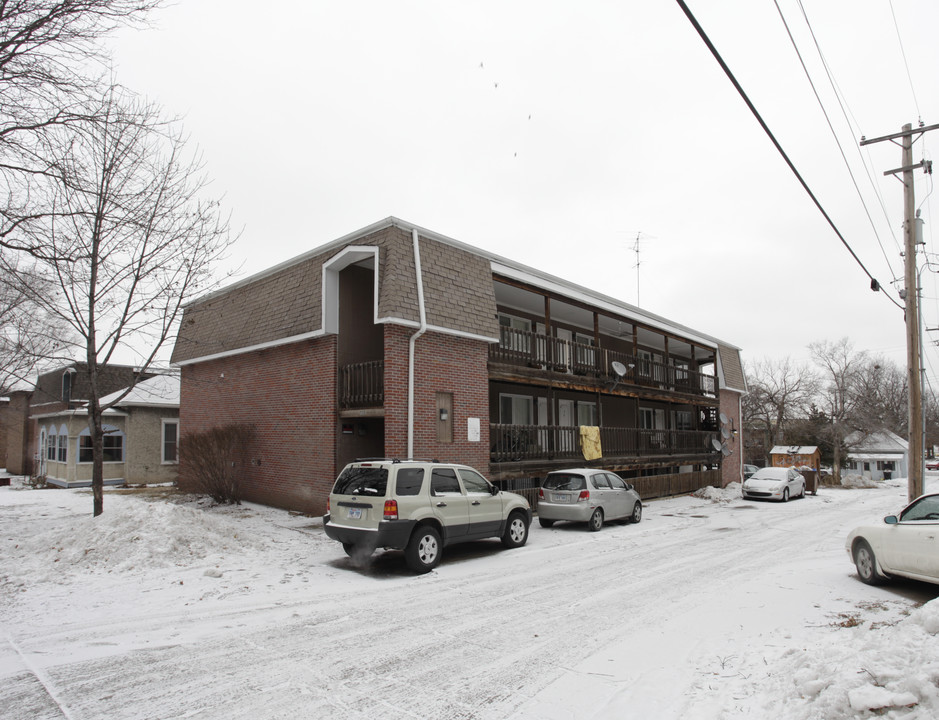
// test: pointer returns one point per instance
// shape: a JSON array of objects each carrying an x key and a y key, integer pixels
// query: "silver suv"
[{"x": 420, "y": 507}]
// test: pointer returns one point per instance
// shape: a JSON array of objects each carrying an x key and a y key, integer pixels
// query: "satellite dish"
[
  {"x": 723, "y": 418},
  {"x": 726, "y": 450},
  {"x": 619, "y": 368},
  {"x": 725, "y": 433},
  {"x": 716, "y": 444}
]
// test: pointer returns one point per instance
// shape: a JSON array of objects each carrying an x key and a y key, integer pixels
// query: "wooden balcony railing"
[
  {"x": 516, "y": 443},
  {"x": 529, "y": 349},
  {"x": 362, "y": 385}
]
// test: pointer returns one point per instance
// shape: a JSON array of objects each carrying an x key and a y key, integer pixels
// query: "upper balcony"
[
  {"x": 362, "y": 389},
  {"x": 538, "y": 353}
]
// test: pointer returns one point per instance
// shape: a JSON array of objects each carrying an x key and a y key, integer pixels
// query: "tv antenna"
[{"x": 636, "y": 246}]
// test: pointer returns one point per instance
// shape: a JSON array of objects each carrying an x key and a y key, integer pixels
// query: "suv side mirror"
[
  {"x": 891, "y": 519},
  {"x": 494, "y": 490}
]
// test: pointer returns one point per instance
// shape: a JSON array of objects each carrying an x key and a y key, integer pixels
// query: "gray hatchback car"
[{"x": 587, "y": 495}]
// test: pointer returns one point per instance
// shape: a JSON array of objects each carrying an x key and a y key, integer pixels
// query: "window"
[
  {"x": 584, "y": 349},
  {"x": 62, "y": 448},
  {"x": 681, "y": 370},
  {"x": 516, "y": 410},
  {"x": 586, "y": 413},
  {"x": 50, "y": 447},
  {"x": 616, "y": 482},
  {"x": 514, "y": 333},
  {"x": 443, "y": 482},
  {"x": 408, "y": 481},
  {"x": 362, "y": 481},
  {"x": 474, "y": 483},
  {"x": 926, "y": 508},
  {"x": 67, "y": 385},
  {"x": 681, "y": 420},
  {"x": 646, "y": 419},
  {"x": 170, "y": 441},
  {"x": 113, "y": 446},
  {"x": 601, "y": 481}
]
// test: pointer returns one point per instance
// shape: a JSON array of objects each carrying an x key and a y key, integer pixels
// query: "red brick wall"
[
  {"x": 289, "y": 395},
  {"x": 444, "y": 363},
  {"x": 731, "y": 466}
]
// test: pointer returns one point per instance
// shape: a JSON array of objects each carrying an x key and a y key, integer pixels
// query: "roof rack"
[{"x": 396, "y": 460}]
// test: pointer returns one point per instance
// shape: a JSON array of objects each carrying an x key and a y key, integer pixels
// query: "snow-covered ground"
[{"x": 710, "y": 608}]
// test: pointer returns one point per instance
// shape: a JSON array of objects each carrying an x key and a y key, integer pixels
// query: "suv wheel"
[
  {"x": 423, "y": 551},
  {"x": 516, "y": 531}
]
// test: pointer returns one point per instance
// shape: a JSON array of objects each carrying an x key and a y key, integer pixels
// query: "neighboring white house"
[{"x": 878, "y": 455}]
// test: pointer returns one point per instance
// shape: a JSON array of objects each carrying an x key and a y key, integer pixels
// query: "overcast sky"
[{"x": 555, "y": 133}]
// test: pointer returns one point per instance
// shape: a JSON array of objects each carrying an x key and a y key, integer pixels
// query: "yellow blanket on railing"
[{"x": 590, "y": 442}]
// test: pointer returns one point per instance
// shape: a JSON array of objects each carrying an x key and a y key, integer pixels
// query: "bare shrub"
[{"x": 213, "y": 461}]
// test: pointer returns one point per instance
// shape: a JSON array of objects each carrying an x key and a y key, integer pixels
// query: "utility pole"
[{"x": 910, "y": 296}]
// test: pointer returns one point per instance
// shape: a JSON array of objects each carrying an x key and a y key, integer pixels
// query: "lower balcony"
[{"x": 521, "y": 443}]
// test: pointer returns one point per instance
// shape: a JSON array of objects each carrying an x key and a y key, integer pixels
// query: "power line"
[
  {"x": 841, "y": 103},
  {"x": 905, "y": 63},
  {"x": 875, "y": 285}
]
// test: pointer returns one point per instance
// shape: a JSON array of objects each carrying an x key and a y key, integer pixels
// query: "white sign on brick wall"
[{"x": 472, "y": 429}]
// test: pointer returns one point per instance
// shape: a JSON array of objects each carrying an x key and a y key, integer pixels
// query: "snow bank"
[
  {"x": 131, "y": 534},
  {"x": 869, "y": 670},
  {"x": 721, "y": 495},
  {"x": 858, "y": 481}
]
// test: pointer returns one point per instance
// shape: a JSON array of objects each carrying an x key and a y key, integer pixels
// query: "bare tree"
[
  {"x": 842, "y": 368},
  {"x": 130, "y": 242},
  {"x": 780, "y": 390},
  {"x": 51, "y": 61},
  {"x": 28, "y": 335},
  {"x": 880, "y": 397}
]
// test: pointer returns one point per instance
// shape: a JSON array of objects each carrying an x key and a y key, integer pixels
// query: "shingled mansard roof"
[{"x": 285, "y": 303}]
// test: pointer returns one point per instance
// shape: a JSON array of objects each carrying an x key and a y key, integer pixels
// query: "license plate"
[
  {"x": 355, "y": 513},
  {"x": 560, "y": 498}
]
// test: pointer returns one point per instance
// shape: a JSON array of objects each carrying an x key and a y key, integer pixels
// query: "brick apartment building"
[{"x": 395, "y": 341}]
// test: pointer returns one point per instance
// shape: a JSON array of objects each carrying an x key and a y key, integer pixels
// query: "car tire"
[
  {"x": 545, "y": 523},
  {"x": 637, "y": 513},
  {"x": 866, "y": 563},
  {"x": 516, "y": 531},
  {"x": 423, "y": 551},
  {"x": 802, "y": 494},
  {"x": 785, "y": 497},
  {"x": 596, "y": 520}
]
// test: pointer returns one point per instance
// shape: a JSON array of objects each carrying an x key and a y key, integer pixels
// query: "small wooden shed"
[{"x": 796, "y": 456}]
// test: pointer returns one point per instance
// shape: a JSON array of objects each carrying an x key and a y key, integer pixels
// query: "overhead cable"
[
  {"x": 841, "y": 104},
  {"x": 875, "y": 284}
]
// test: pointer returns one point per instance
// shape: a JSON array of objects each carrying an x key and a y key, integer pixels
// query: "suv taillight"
[
  {"x": 327, "y": 505},
  {"x": 584, "y": 496},
  {"x": 391, "y": 509},
  {"x": 541, "y": 493}
]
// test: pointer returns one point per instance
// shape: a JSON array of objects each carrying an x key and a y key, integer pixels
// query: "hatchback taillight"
[
  {"x": 584, "y": 496},
  {"x": 391, "y": 509}
]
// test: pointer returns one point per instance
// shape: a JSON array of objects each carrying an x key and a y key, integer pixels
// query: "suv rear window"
[
  {"x": 564, "y": 481},
  {"x": 362, "y": 481}
]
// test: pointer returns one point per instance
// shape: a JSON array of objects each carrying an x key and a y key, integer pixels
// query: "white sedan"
[
  {"x": 906, "y": 544},
  {"x": 774, "y": 483}
]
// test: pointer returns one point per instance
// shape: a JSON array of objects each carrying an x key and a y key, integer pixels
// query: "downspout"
[
  {"x": 413, "y": 340},
  {"x": 740, "y": 434}
]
